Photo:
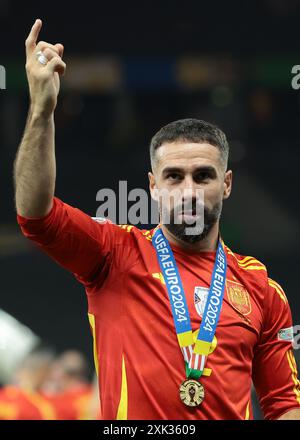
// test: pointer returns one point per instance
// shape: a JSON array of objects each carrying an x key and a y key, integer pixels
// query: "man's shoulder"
[
  {"x": 125, "y": 232},
  {"x": 252, "y": 268},
  {"x": 246, "y": 263}
]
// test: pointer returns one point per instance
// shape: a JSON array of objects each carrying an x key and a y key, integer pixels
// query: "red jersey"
[
  {"x": 138, "y": 359},
  {"x": 73, "y": 404},
  {"x": 17, "y": 404}
]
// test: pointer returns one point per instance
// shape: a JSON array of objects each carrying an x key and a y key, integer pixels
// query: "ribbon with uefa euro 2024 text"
[{"x": 195, "y": 355}]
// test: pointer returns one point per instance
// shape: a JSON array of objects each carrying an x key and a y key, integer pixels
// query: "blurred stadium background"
[{"x": 133, "y": 67}]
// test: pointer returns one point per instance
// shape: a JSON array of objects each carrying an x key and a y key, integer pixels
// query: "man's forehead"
[{"x": 186, "y": 153}]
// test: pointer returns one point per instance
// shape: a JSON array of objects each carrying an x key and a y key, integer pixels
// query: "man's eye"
[
  {"x": 202, "y": 176},
  {"x": 173, "y": 176}
]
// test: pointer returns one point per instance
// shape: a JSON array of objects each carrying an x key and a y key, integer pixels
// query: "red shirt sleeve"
[
  {"x": 274, "y": 368},
  {"x": 73, "y": 239}
]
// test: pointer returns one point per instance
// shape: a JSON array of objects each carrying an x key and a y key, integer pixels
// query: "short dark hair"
[{"x": 190, "y": 130}]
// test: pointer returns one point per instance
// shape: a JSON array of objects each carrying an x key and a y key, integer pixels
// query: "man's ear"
[
  {"x": 152, "y": 186},
  {"x": 227, "y": 184}
]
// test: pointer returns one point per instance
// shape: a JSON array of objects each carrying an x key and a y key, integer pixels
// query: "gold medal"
[{"x": 191, "y": 392}]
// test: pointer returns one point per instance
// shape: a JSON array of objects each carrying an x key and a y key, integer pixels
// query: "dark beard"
[{"x": 211, "y": 216}]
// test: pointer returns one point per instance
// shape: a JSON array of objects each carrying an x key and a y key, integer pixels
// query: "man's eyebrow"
[
  {"x": 202, "y": 168},
  {"x": 168, "y": 170},
  {"x": 206, "y": 168}
]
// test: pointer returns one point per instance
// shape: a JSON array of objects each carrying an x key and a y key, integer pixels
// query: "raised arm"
[
  {"x": 35, "y": 170},
  {"x": 68, "y": 235}
]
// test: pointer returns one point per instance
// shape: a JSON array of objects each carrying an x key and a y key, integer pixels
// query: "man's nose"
[{"x": 190, "y": 186}]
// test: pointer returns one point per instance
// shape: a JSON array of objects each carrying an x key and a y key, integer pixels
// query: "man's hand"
[{"x": 43, "y": 79}]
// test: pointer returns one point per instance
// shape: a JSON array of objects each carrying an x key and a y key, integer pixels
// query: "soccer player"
[
  {"x": 23, "y": 399},
  {"x": 181, "y": 324},
  {"x": 68, "y": 387}
]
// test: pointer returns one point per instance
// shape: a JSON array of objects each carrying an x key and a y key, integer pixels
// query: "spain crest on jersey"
[
  {"x": 200, "y": 298},
  {"x": 238, "y": 297}
]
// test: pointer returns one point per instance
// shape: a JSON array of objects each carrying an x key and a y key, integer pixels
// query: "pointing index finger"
[{"x": 33, "y": 35}]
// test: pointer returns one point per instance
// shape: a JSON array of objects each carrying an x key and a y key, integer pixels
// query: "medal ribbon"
[{"x": 195, "y": 355}]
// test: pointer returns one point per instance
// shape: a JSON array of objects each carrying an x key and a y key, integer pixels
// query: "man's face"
[{"x": 196, "y": 174}]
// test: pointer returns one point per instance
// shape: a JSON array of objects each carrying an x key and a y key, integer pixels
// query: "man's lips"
[
  {"x": 189, "y": 216},
  {"x": 190, "y": 212}
]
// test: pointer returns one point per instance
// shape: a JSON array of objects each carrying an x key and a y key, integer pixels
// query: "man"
[
  {"x": 68, "y": 387},
  {"x": 23, "y": 399},
  {"x": 155, "y": 357}
]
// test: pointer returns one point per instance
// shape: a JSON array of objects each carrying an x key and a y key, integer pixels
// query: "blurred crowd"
[{"x": 45, "y": 386}]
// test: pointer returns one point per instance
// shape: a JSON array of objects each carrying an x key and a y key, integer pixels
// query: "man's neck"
[{"x": 208, "y": 244}]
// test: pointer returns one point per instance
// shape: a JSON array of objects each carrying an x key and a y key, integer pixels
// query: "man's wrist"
[{"x": 37, "y": 114}]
